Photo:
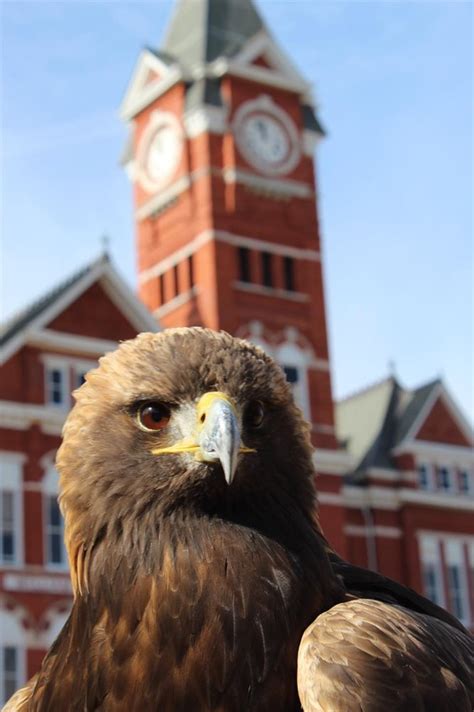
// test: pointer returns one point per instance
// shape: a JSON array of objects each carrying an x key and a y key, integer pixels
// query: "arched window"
[
  {"x": 12, "y": 655},
  {"x": 53, "y": 523},
  {"x": 11, "y": 508}
]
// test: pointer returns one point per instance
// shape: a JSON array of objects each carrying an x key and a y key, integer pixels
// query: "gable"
[
  {"x": 440, "y": 426},
  {"x": 262, "y": 62},
  {"x": 95, "y": 315}
]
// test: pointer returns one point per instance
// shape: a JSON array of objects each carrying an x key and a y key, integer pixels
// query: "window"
[
  {"x": 432, "y": 583},
  {"x": 431, "y": 569},
  {"x": 53, "y": 523},
  {"x": 191, "y": 271},
  {"x": 7, "y": 514},
  {"x": 9, "y": 671},
  {"x": 161, "y": 288},
  {"x": 80, "y": 377},
  {"x": 466, "y": 485},
  {"x": 267, "y": 272},
  {"x": 291, "y": 373},
  {"x": 425, "y": 479},
  {"x": 55, "y": 550},
  {"x": 175, "y": 281},
  {"x": 289, "y": 273},
  {"x": 56, "y": 386},
  {"x": 445, "y": 481},
  {"x": 244, "y": 265},
  {"x": 11, "y": 475},
  {"x": 455, "y": 592},
  {"x": 12, "y": 652},
  {"x": 456, "y": 577}
]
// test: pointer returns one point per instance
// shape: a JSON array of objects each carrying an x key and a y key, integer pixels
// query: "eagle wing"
[{"x": 366, "y": 655}]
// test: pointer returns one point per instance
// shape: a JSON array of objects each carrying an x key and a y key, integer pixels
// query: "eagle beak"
[
  {"x": 216, "y": 437},
  {"x": 219, "y": 433}
]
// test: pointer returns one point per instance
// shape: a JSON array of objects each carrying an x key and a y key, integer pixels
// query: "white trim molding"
[
  {"x": 254, "y": 288},
  {"x": 387, "y": 498},
  {"x": 176, "y": 302},
  {"x": 284, "y": 187},
  {"x": 20, "y": 416},
  {"x": 437, "y": 453},
  {"x": 206, "y": 119},
  {"x": 230, "y": 239},
  {"x": 140, "y": 92},
  {"x": 332, "y": 462},
  {"x": 47, "y": 338},
  {"x": 377, "y": 530}
]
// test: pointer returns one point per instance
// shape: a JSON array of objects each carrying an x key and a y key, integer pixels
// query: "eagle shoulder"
[{"x": 368, "y": 655}]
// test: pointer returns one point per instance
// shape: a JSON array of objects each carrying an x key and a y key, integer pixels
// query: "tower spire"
[{"x": 203, "y": 30}]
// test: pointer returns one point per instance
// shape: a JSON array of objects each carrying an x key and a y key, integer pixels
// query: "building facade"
[{"x": 222, "y": 134}]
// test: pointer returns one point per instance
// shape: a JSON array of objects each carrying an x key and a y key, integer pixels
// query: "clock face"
[
  {"x": 266, "y": 136},
  {"x": 160, "y": 150}
]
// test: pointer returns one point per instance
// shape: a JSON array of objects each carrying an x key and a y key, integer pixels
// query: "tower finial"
[{"x": 105, "y": 244}]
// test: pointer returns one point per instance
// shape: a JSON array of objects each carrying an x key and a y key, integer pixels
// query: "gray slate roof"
[
  {"x": 375, "y": 420},
  {"x": 27, "y": 315},
  {"x": 203, "y": 30}
]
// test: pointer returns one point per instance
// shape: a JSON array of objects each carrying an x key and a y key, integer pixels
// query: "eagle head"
[{"x": 186, "y": 419}]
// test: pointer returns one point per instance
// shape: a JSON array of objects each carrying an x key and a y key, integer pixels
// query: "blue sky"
[{"x": 394, "y": 84}]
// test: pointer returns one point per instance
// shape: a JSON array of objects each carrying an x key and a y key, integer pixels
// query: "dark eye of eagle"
[
  {"x": 254, "y": 414},
  {"x": 153, "y": 416}
]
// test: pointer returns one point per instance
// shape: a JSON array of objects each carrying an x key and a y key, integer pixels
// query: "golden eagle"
[{"x": 202, "y": 580}]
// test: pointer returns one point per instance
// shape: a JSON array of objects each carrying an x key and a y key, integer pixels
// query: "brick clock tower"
[{"x": 220, "y": 154}]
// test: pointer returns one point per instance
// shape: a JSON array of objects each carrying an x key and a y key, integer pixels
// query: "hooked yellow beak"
[{"x": 217, "y": 434}]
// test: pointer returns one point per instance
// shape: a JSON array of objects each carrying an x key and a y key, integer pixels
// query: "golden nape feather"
[{"x": 197, "y": 560}]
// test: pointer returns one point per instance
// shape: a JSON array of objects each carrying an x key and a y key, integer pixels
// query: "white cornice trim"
[
  {"x": 139, "y": 93},
  {"x": 20, "y": 416},
  {"x": 310, "y": 141},
  {"x": 377, "y": 530},
  {"x": 330, "y": 498},
  {"x": 164, "y": 197},
  {"x": 47, "y": 338},
  {"x": 261, "y": 289},
  {"x": 231, "y": 239},
  {"x": 284, "y": 187},
  {"x": 436, "y": 453},
  {"x": 127, "y": 302},
  {"x": 332, "y": 462},
  {"x": 467, "y": 537},
  {"x": 386, "y": 498},
  {"x": 176, "y": 302},
  {"x": 252, "y": 243},
  {"x": 176, "y": 257}
]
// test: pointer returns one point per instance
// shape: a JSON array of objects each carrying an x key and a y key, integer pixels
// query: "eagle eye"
[
  {"x": 254, "y": 414},
  {"x": 153, "y": 416}
]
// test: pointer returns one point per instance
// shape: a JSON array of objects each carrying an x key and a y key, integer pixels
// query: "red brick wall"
[{"x": 440, "y": 427}]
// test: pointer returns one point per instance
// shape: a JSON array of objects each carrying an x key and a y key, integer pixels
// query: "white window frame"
[
  {"x": 50, "y": 488},
  {"x": 11, "y": 480},
  {"x": 13, "y": 636}
]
